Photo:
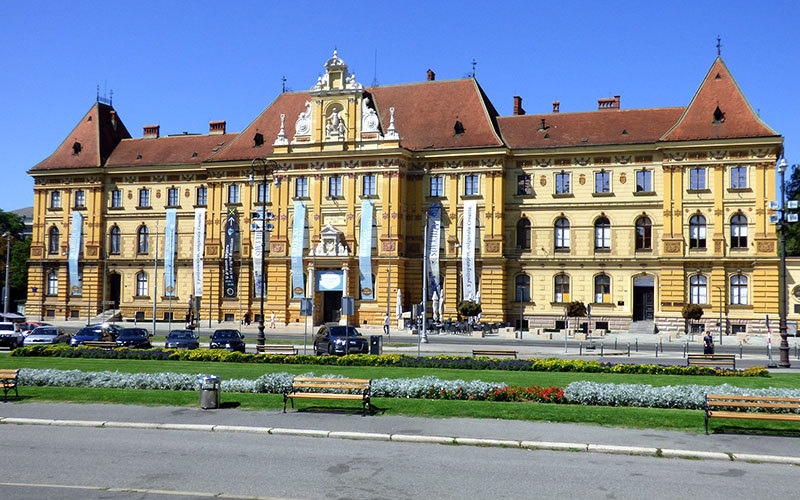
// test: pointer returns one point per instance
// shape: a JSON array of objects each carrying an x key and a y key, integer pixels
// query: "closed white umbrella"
[
  {"x": 399, "y": 307},
  {"x": 478, "y": 301},
  {"x": 435, "y": 308},
  {"x": 441, "y": 306}
]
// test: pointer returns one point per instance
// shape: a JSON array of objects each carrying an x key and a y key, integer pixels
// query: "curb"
[{"x": 406, "y": 438}]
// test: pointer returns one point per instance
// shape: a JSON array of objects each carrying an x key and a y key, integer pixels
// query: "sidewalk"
[{"x": 536, "y": 435}]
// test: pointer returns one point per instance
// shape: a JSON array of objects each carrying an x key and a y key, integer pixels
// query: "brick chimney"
[
  {"x": 518, "y": 105},
  {"x": 556, "y": 105},
  {"x": 431, "y": 75},
  {"x": 151, "y": 131},
  {"x": 608, "y": 103},
  {"x": 216, "y": 128}
]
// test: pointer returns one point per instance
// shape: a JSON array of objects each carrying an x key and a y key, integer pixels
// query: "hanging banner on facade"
[
  {"x": 169, "y": 252},
  {"x": 365, "y": 251},
  {"x": 298, "y": 233},
  {"x": 229, "y": 282},
  {"x": 434, "y": 237},
  {"x": 258, "y": 257},
  {"x": 468, "y": 250},
  {"x": 74, "y": 252},
  {"x": 199, "y": 249}
]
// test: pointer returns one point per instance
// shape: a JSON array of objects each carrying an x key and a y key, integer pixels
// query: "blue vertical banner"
[
  {"x": 434, "y": 238},
  {"x": 169, "y": 252},
  {"x": 74, "y": 252},
  {"x": 298, "y": 233},
  {"x": 365, "y": 251},
  {"x": 229, "y": 281}
]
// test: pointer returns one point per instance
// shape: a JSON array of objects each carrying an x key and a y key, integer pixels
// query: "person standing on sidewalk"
[
  {"x": 272, "y": 319},
  {"x": 708, "y": 344},
  {"x": 386, "y": 324}
]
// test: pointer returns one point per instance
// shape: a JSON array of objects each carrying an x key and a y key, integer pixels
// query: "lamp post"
[
  {"x": 784, "y": 349},
  {"x": 261, "y": 166},
  {"x": 721, "y": 295},
  {"x": 7, "y": 235}
]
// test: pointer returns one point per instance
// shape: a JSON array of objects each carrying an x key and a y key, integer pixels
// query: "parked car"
[
  {"x": 9, "y": 337},
  {"x": 47, "y": 335},
  {"x": 231, "y": 340},
  {"x": 339, "y": 340},
  {"x": 137, "y": 338},
  {"x": 30, "y": 326},
  {"x": 102, "y": 332},
  {"x": 182, "y": 339}
]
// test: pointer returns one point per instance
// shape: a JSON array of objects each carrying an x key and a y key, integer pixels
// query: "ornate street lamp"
[
  {"x": 784, "y": 349},
  {"x": 262, "y": 167}
]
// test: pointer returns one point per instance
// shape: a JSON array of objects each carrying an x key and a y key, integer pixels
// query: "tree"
[
  {"x": 691, "y": 312},
  {"x": 468, "y": 309},
  {"x": 20, "y": 253},
  {"x": 576, "y": 309},
  {"x": 793, "y": 230}
]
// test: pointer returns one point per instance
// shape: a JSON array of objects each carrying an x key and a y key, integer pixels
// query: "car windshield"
[
  {"x": 181, "y": 334},
  {"x": 342, "y": 331},
  {"x": 45, "y": 331},
  {"x": 88, "y": 332},
  {"x": 226, "y": 334},
  {"x": 133, "y": 332}
]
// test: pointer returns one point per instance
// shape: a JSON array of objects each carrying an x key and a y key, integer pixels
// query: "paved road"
[{"x": 295, "y": 467}]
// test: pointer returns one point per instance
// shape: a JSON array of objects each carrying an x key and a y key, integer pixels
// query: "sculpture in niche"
[
  {"x": 335, "y": 127},
  {"x": 369, "y": 118},
  {"x": 331, "y": 244},
  {"x": 303, "y": 124}
]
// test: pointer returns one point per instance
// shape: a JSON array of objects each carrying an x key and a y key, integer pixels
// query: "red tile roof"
[
  {"x": 97, "y": 135},
  {"x": 169, "y": 150},
  {"x": 718, "y": 89},
  {"x": 630, "y": 126}
]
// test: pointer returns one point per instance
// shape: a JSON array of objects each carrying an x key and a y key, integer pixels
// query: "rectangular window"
[
  {"x": 562, "y": 183},
  {"x": 202, "y": 196},
  {"x": 602, "y": 182},
  {"x": 233, "y": 193},
  {"x": 524, "y": 185},
  {"x": 437, "y": 186},
  {"x": 301, "y": 187},
  {"x": 55, "y": 199},
  {"x": 471, "y": 185},
  {"x": 80, "y": 199},
  {"x": 335, "y": 186},
  {"x": 144, "y": 197},
  {"x": 644, "y": 181},
  {"x": 738, "y": 177},
  {"x": 263, "y": 193},
  {"x": 369, "y": 185},
  {"x": 172, "y": 197},
  {"x": 697, "y": 179},
  {"x": 116, "y": 198}
]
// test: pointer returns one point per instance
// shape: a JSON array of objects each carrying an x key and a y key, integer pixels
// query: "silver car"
[{"x": 46, "y": 335}]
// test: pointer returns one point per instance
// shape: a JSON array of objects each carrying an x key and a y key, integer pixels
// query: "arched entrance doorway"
[
  {"x": 643, "y": 298},
  {"x": 114, "y": 290}
]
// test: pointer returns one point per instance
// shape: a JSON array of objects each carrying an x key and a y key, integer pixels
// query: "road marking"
[{"x": 144, "y": 490}]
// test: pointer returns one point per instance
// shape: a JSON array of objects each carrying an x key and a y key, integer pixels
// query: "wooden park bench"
[
  {"x": 494, "y": 353},
  {"x": 288, "y": 350},
  {"x": 712, "y": 360},
  {"x": 746, "y": 407},
  {"x": 353, "y": 389},
  {"x": 8, "y": 380},
  {"x": 102, "y": 344}
]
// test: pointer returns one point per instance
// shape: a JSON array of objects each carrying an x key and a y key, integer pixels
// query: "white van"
[{"x": 8, "y": 337}]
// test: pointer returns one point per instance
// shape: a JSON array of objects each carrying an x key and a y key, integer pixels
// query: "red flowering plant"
[{"x": 533, "y": 393}]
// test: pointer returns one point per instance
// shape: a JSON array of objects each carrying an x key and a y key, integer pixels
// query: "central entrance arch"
[{"x": 643, "y": 298}]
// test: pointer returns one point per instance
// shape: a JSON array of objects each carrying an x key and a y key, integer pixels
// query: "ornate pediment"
[{"x": 332, "y": 243}]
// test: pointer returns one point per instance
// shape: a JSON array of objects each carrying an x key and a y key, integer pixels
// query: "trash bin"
[
  {"x": 209, "y": 392},
  {"x": 376, "y": 344}
]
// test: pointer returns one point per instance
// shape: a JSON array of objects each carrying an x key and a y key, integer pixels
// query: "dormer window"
[
  {"x": 76, "y": 148},
  {"x": 458, "y": 128},
  {"x": 719, "y": 116},
  {"x": 258, "y": 140}
]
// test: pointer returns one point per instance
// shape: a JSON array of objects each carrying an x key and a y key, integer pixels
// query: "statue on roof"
[
  {"x": 335, "y": 127},
  {"x": 303, "y": 124},
  {"x": 369, "y": 117}
]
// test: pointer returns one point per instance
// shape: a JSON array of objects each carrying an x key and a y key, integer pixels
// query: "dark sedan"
[
  {"x": 339, "y": 340},
  {"x": 136, "y": 338},
  {"x": 231, "y": 340},
  {"x": 182, "y": 339},
  {"x": 95, "y": 333},
  {"x": 46, "y": 335}
]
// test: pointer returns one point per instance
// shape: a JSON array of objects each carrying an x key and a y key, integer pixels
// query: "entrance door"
[
  {"x": 643, "y": 298},
  {"x": 114, "y": 282},
  {"x": 331, "y": 307}
]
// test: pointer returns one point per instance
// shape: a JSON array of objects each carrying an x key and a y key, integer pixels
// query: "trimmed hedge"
[{"x": 395, "y": 360}]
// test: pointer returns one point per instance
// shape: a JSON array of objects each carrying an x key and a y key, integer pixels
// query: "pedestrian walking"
[
  {"x": 272, "y": 319},
  {"x": 247, "y": 317},
  {"x": 386, "y": 324},
  {"x": 708, "y": 344}
]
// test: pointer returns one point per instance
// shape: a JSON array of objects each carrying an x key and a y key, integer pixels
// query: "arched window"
[
  {"x": 738, "y": 289},
  {"x": 738, "y": 231},
  {"x": 644, "y": 234},
  {"x": 697, "y": 232},
  {"x": 114, "y": 240},
  {"x": 523, "y": 288},
  {"x": 52, "y": 283},
  {"x": 561, "y": 288},
  {"x": 524, "y": 234},
  {"x": 602, "y": 289},
  {"x": 142, "y": 240},
  {"x": 697, "y": 289},
  {"x": 562, "y": 234},
  {"x": 141, "y": 284},
  {"x": 52, "y": 243},
  {"x": 602, "y": 234}
]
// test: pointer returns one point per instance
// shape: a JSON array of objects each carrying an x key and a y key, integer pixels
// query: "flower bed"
[{"x": 395, "y": 360}]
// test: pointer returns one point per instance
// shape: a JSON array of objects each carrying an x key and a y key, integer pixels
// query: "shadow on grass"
[{"x": 754, "y": 431}]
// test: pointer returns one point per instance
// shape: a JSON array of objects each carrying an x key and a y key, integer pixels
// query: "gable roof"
[
  {"x": 98, "y": 133},
  {"x": 425, "y": 114},
  {"x": 591, "y": 128},
  {"x": 169, "y": 150},
  {"x": 718, "y": 90}
]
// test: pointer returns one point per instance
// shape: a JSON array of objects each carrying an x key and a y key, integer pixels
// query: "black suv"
[
  {"x": 339, "y": 340},
  {"x": 137, "y": 338},
  {"x": 95, "y": 333},
  {"x": 231, "y": 340}
]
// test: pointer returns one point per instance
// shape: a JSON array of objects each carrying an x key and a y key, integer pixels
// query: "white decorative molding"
[
  {"x": 335, "y": 129},
  {"x": 336, "y": 65},
  {"x": 302, "y": 126},
  {"x": 332, "y": 244},
  {"x": 369, "y": 117},
  {"x": 391, "y": 132},
  {"x": 281, "y": 140}
]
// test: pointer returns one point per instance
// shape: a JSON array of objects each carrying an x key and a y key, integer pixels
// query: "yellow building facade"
[{"x": 635, "y": 212}]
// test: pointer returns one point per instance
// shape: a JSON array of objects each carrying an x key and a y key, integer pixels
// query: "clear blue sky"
[{"x": 183, "y": 64}]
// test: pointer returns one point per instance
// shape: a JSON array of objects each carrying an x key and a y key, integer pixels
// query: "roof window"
[
  {"x": 719, "y": 116},
  {"x": 76, "y": 148},
  {"x": 194, "y": 155},
  {"x": 717, "y": 77},
  {"x": 258, "y": 140},
  {"x": 138, "y": 157},
  {"x": 624, "y": 131},
  {"x": 458, "y": 128}
]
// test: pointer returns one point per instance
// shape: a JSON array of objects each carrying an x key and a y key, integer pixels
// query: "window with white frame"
[
  {"x": 233, "y": 193},
  {"x": 644, "y": 181},
  {"x": 602, "y": 182},
  {"x": 144, "y": 197},
  {"x": 142, "y": 240},
  {"x": 202, "y": 196},
  {"x": 738, "y": 177},
  {"x": 562, "y": 234},
  {"x": 437, "y": 186},
  {"x": 52, "y": 283},
  {"x": 335, "y": 186},
  {"x": 263, "y": 193},
  {"x": 471, "y": 185},
  {"x": 738, "y": 231},
  {"x": 141, "y": 284},
  {"x": 562, "y": 183},
  {"x": 698, "y": 293},
  {"x": 697, "y": 179},
  {"x": 116, "y": 198},
  {"x": 301, "y": 187},
  {"x": 697, "y": 232},
  {"x": 53, "y": 240},
  {"x": 523, "y": 288},
  {"x": 80, "y": 198},
  {"x": 739, "y": 290},
  {"x": 368, "y": 185},
  {"x": 55, "y": 199},
  {"x": 561, "y": 288},
  {"x": 172, "y": 197},
  {"x": 114, "y": 238},
  {"x": 644, "y": 234},
  {"x": 602, "y": 289},
  {"x": 602, "y": 234}
]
